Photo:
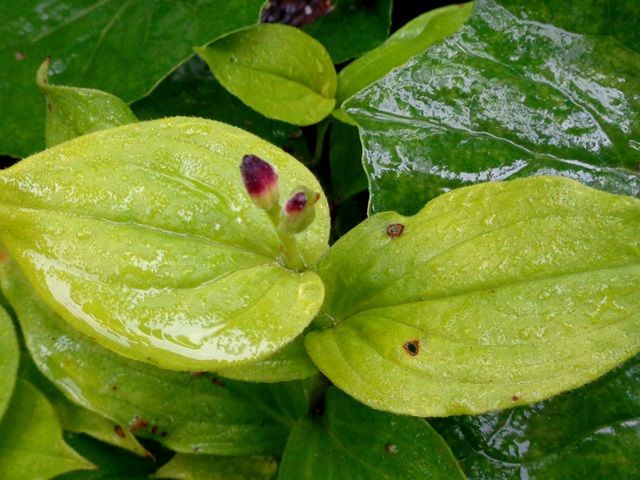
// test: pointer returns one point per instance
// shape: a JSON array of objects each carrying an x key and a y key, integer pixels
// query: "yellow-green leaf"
[
  {"x": 72, "y": 112},
  {"x": 491, "y": 296},
  {"x": 143, "y": 237},
  {"x": 278, "y": 70},
  {"x": 289, "y": 363}
]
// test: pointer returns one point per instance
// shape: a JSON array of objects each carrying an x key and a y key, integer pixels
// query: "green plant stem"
[
  {"x": 322, "y": 129},
  {"x": 290, "y": 253}
]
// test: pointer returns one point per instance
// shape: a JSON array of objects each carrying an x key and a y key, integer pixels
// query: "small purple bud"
[
  {"x": 296, "y": 203},
  {"x": 260, "y": 180},
  {"x": 299, "y": 210}
]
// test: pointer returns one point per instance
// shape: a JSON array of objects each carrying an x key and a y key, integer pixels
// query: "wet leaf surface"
[
  {"x": 411, "y": 39},
  {"x": 592, "y": 432},
  {"x": 144, "y": 238},
  {"x": 186, "y": 412},
  {"x": 502, "y": 98},
  {"x": 95, "y": 45},
  {"x": 492, "y": 296}
]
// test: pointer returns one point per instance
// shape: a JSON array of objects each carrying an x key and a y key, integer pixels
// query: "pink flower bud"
[
  {"x": 298, "y": 211},
  {"x": 261, "y": 181}
]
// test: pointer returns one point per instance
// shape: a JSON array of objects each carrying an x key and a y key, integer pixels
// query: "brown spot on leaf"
[
  {"x": 3, "y": 256},
  {"x": 394, "y": 230},
  {"x": 114, "y": 388},
  {"x": 198, "y": 374},
  {"x": 154, "y": 429},
  {"x": 20, "y": 56},
  {"x": 119, "y": 431},
  {"x": 515, "y": 398},
  {"x": 412, "y": 347},
  {"x": 391, "y": 448},
  {"x": 164, "y": 434},
  {"x": 137, "y": 424}
]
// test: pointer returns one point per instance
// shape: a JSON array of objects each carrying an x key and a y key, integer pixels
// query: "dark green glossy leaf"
[
  {"x": 111, "y": 463},
  {"x": 9, "y": 358},
  {"x": 124, "y": 47},
  {"x": 31, "y": 444},
  {"x": 345, "y": 155},
  {"x": 413, "y": 38},
  {"x": 487, "y": 105},
  {"x": 618, "y": 18},
  {"x": 184, "y": 412},
  {"x": 75, "y": 418},
  {"x": 144, "y": 237},
  {"x": 352, "y": 441},
  {"x": 277, "y": 70},
  {"x": 208, "y": 467},
  {"x": 352, "y": 27},
  {"x": 193, "y": 91},
  {"x": 72, "y": 112},
  {"x": 592, "y": 432},
  {"x": 491, "y": 296}
]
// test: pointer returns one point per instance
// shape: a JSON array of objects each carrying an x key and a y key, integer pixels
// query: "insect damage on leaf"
[
  {"x": 412, "y": 347},
  {"x": 394, "y": 230}
]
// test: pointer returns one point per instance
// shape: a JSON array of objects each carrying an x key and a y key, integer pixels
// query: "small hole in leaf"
[
  {"x": 394, "y": 230},
  {"x": 412, "y": 347},
  {"x": 391, "y": 448},
  {"x": 20, "y": 56}
]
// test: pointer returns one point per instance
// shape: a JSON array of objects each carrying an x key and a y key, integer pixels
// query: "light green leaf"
[
  {"x": 413, "y": 38},
  {"x": 193, "y": 91},
  {"x": 31, "y": 444},
  {"x": 589, "y": 433},
  {"x": 352, "y": 441},
  {"x": 186, "y": 412},
  {"x": 72, "y": 112},
  {"x": 492, "y": 296},
  {"x": 289, "y": 363},
  {"x": 277, "y": 70},
  {"x": 144, "y": 238},
  {"x": 207, "y": 467},
  {"x": 124, "y": 47},
  {"x": 9, "y": 358},
  {"x": 352, "y": 27},
  {"x": 506, "y": 96}
]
